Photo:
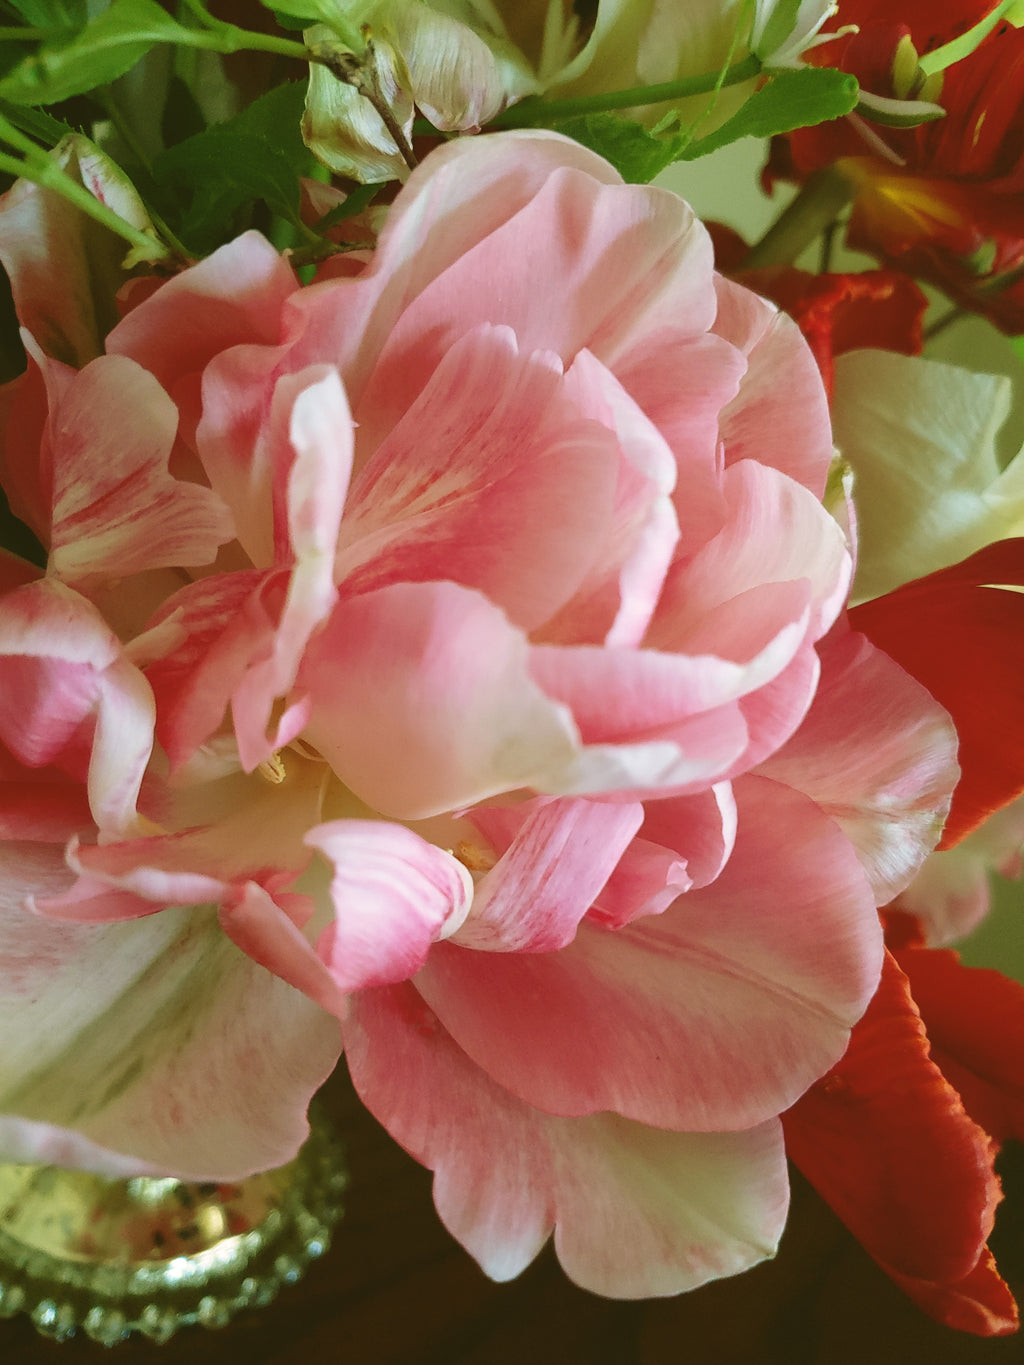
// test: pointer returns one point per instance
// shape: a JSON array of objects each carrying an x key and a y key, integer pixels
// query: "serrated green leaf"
[
  {"x": 790, "y": 99},
  {"x": 636, "y": 154},
  {"x": 106, "y": 48},
  {"x": 258, "y": 156},
  {"x": 45, "y": 130}
]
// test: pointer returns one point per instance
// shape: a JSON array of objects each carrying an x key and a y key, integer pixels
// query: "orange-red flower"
[{"x": 944, "y": 200}]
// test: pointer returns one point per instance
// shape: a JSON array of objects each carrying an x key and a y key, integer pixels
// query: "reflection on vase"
[{"x": 149, "y": 1255}]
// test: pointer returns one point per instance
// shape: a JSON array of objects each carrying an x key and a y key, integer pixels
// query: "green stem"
[
  {"x": 821, "y": 199},
  {"x": 25, "y": 35},
  {"x": 537, "y": 111}
]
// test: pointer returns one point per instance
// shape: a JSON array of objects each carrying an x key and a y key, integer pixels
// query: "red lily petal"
[
  {"x": 885, "y": 1140},
  {"x": 981, "y": 1302},
  {"x": 976, "y": 1026},
  {"x": 964, "y": 641}
]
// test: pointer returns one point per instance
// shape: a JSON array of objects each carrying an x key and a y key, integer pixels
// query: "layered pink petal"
[
  {"x": 233, "y": 297},
  {"x": 394, "y": 895},
  {"x": 776, "y": 532},
  {"x": 69, "y": 695},
  {"x": 257, "y": 924},
  {"x": 116, "y": 509},
  {"x": 618, "y": 263},
  {"x": 635, "y": 1211},
  {"x": 714, "y": 1015},
  {"x": 225, "y": 621},
  {"x": 492, "y": 479},
  {"x": 616, "y": 600},
  {"x": 878, "y": 755},
  {"x": 546, "y": 880},
  {"x": 319, "y": 431},
  {"x": 422, "y": 701},
  {"x": 195, "y": 1061},
  {"x": 465, "y": 193},
  {"x": 780, "y": 415},
  {"x": 683, "y": 383}
]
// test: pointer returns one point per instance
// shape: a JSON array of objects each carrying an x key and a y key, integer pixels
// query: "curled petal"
[{"x": 394, "y": 895}]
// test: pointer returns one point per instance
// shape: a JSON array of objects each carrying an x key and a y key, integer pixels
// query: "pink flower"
[{"x": 486, "y": 624}]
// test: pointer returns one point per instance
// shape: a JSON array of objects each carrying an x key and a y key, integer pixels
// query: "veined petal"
[
  {"x": 390, "y": 658},
  {"x": 546, "y": 880},
  {"x": 394, "y": 895},
  {"x": 116, "y": 508},
  {"x": 744, "y": 952},
  {"x": 319, "y": 437},
  {"x": 635, "y": 1211},
  {"x": 493, "y": 478},
  {"x": 183, "y": 1055},
  {"x": 878, "y": 755}
]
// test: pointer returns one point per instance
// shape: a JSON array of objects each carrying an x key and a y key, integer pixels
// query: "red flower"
[
  {"x": 835, "y": 312},
  {"x": 944, "y": 200},
  {"x": 887, "y": 1141}
]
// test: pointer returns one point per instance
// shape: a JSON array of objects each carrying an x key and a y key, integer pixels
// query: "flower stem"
[
  {"x": 821, "y": 199},
  {"x": 533, "y": 111}
]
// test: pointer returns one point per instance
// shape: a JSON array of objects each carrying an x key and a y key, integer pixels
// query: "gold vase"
[{"x": 79, "y": 1252}]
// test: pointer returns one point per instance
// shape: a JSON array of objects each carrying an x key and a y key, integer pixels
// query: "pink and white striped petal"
[
  {"x": 312, "y": 485},
  {"x": 116, "y": 509},
  {"x": 636, "y": 1211},
  {"x": 714, "y": 1015},
  {"x": 493, "y": 478},
  {"x": 422, "y": 701},
  {"x": 547, "y": 879},
  {"x": 394, "y": 895},
  {"x": 197, "y": 1062}
]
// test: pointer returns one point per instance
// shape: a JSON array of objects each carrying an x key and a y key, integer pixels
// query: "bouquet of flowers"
[{"x": 460, "y": 609}]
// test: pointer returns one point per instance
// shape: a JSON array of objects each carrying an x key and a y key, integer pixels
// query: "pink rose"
[{"x": 462, "y": 641}]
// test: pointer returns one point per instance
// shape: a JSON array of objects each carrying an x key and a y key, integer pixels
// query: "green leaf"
[
  {"x": 256, "y": 157},
  {"x": 318, "y": 12},
  {"x": 69, "y": 14},
  {"x": 45, "y": 130},
  {"x": 790, "y": 99},
  {"x": 105, "y": 49},
  {"x": 636, "y": 154}
]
